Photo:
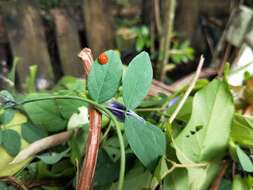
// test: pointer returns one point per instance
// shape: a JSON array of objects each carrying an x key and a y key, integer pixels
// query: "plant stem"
[
  {"x": 148, "y": 109},
  {"x": 104, "y": 137},
  {"x": 103, "y": 109},
  {"x": 95, "y": 124}
]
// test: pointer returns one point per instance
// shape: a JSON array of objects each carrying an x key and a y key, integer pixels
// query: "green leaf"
[
  {"x": 11, "y": 142},
  {"x": 225, "y": 185},
  {"x": 62, "y": 168},
  {"x": 140, "y": 43},
  {"x": 209, "y": 119},
  {"x": 6, "y": 95},
  {"x": 137, "y": 80},
  {"x": 242, "y": 130},
  {"x": 103, "y": 80},
  {"x": 160, "y": 173},
  {"x": 1, "y": 136},
  {"x": 185, "y": 113},
  {"x": 245, "y": 161},
  {"x": 138, "y": 178},
  {"x": 112, "y": 148},
  {"x": 7, "y": 116},
  {"x": 206, "y": 136},
  {"x": 177, "y": 180},
  {"x": 77, "y": 144},
  {"x": 71, "y": 84},
  {"x": 239, "y": 183},
  {"x": 52, "y": 158},
  {"x": 31, "y": 79},
  {"x": 12, "y": 73},
  {"x": 147, "y": 141},
  {"x": 68, "y": 107},
  {"x": 32, "y": 133},
  {"x": 106, "y": 170},
  {"x": 46, "y": 114}
]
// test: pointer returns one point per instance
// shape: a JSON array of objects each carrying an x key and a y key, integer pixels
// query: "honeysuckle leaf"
[
  {"x": 104, "y": 79},
  {"x": 137, "y": 80},
  {"x": 206, "y": 135}
]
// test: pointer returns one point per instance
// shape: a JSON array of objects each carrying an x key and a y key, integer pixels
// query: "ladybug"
[{"x": 102, "y": 58}]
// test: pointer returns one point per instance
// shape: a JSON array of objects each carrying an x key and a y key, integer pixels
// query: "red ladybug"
[{"x": 102, "y": 58}]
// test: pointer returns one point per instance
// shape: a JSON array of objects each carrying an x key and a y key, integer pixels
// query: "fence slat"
[
  {"x": 27, "y": 40},
  {"x": 98, "y": 25},
  {"x": 68, "y": 42}
]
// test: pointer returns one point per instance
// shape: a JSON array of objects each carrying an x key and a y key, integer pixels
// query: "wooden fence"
[{"x": 25, "y": 34}]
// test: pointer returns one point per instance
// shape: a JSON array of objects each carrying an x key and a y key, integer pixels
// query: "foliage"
[
  {"x": 185, "y": 154},
  {"x": 182, "y": 52}
]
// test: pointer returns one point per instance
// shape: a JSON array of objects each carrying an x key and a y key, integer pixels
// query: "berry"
[{"x": 102, "y": 58}]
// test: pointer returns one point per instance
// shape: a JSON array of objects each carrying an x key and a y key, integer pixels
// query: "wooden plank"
[
  {"x": 241, "y": 24},
  {"x": 98, "y": 25},
  {"x": 68, "y": 42},
  {"x": 27, "y": 40}
]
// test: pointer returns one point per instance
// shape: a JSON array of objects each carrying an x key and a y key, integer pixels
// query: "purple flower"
[
  {"x": 119, "y": 110},
  {"x": 172, "y": 102}
]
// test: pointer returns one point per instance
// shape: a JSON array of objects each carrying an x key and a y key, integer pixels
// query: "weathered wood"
[
  {"x": 68, "y": 42},
  {"x": 98, "y": 25},
  {"x": 241, "y": 23},
  {"x": 3, "y": 55},
  {"x": 188, "y": 16},
  {"x": 27, "y": 40}
]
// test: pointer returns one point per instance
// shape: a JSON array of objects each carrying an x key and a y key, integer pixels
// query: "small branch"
[
  {"x": 167, "y": 41},
  {"x": 148, "y": 109},
  {"x": 190, "y": 165},
  {"x": 41, "y": 145},
  {"x": 157, "y": 16},
  {"x": 187, "y": 93},
  {"x": 217, "y": 181}
]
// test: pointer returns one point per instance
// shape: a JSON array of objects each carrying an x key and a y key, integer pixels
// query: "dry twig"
[{"x": 187, "y": 93}]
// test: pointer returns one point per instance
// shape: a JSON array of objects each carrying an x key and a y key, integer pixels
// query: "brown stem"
[
  {"x": 92, "y": 146},
  {"x": 166, "y": 37},
  {"x": 217, "y": 181}
]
